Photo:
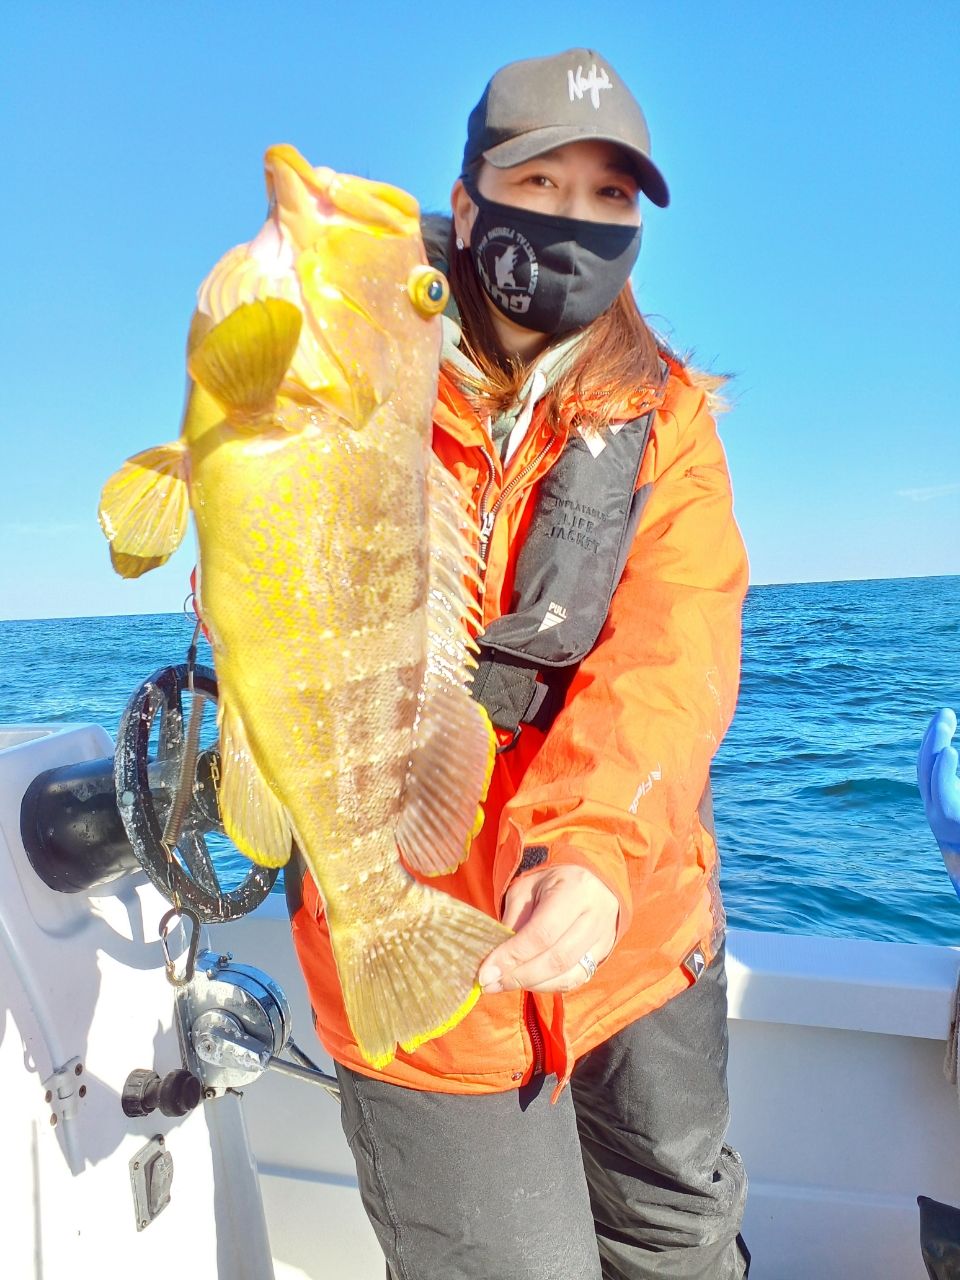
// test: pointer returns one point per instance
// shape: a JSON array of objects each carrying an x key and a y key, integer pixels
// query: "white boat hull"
[{"x": 840, "y": 1106}]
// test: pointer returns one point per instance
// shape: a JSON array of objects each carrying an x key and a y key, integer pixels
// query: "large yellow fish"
[{"x": 333, "y": 568}]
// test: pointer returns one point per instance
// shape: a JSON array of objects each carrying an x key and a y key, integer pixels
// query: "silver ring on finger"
[{"x": 588, "y": 964}]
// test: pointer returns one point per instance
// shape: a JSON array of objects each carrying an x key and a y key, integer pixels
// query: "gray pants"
[{"x": 626, "y": 1177}]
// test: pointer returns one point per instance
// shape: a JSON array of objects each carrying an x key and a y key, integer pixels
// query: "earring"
[{"x": 459, "y": 242}]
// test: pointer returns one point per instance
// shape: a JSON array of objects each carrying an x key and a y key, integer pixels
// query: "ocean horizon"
[{"x": 754, "y": 586}]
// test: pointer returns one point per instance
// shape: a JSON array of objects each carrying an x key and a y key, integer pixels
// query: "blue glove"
[{"x": 940, "y": 788}]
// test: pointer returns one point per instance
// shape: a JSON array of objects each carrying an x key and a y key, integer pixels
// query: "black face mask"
[{"x": 548, "y": 273}]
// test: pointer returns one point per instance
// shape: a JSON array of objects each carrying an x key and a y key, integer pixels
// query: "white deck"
[{"x": 840, "y": 1107}]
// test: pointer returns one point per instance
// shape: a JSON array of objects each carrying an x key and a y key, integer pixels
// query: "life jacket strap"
[{"x": 512, "y": 694}]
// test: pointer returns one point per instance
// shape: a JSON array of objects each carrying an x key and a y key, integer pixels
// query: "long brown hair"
[{"x": 617, "y": 360}]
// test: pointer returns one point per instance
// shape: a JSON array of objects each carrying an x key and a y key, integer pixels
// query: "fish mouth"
[
  {"x": 341, "y": 239},
  {"x": 376, "y": 207}
]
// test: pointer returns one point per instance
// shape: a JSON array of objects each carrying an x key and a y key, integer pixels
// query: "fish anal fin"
[
  {"x": 253, "y": 817},
  {"x": 243, "y": 360},
  {"x": 454, "y": 744},
  {"x": 449, "y": 774},
  {"x": 414, "y": 976},
  {"x": 144, "y": 509}
]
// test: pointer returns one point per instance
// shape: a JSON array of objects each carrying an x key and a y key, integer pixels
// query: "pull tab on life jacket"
[{"x": 586, "y": 513}]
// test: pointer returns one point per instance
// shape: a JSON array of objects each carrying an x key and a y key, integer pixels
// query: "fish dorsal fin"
[
  {"x": 144, "y": 507},
  {"x": 253, "y": 817},
  {"x": 453, "y": 740},
  {"x": 243, "y": 360}
]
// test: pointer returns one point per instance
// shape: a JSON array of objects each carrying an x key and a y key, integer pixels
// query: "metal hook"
[{"x": 192, "y": 946}]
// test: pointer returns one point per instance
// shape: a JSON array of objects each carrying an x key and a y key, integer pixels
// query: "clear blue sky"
[{"x": 811, "y": 246}]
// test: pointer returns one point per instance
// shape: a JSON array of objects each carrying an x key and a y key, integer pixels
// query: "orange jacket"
[{"x": 617, "y": 784}]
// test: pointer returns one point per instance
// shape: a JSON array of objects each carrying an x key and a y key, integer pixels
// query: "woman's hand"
[{"x": 559, "y": 914}]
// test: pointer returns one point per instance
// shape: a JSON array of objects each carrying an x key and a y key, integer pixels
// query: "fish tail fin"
[
  {"x": 243, "y": 360},
  {"x": 413, "y": 975}
]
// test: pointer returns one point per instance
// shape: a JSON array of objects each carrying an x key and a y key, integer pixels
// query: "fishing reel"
[{"x": 233, "y": 1024}]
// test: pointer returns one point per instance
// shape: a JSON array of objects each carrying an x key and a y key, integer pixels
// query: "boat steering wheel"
[{"x": 148, "y": 789}]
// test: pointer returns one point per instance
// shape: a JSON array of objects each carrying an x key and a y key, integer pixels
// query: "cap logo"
[
  {"x": 508, "y": 266},
  {"x": 580, "y": 84}
]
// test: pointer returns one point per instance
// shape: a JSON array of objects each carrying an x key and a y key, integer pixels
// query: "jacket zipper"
[
  {"x": 534, "y": 1032},
  {"x": 487, "y": 517}
]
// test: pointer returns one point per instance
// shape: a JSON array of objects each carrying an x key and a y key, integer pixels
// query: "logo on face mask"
[{"x": 508, "y": 268}]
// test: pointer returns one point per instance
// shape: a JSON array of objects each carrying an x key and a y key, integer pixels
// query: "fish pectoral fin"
[
  {"x": 412, "y": 976},
  {"x": 243, "y": 360},
  {"x": 144, "y": 508},
  {"x": 454, "y": 743},
  {"x": 253, "y": 817}
]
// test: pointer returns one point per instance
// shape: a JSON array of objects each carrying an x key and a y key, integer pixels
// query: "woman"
[{"x": 572, "y": 1125}]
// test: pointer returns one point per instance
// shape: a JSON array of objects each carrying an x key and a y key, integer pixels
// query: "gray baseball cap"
[{"x": 532, "y": 106}]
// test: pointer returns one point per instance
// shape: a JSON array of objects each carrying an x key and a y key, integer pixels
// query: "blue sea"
[{"x": 820, "y": 823}]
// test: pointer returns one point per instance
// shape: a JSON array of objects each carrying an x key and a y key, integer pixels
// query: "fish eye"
[{"x": 428, "y": 290}]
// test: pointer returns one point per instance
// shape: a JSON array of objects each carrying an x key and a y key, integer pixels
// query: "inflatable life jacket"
[{"x": 586, "y": 512}]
